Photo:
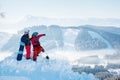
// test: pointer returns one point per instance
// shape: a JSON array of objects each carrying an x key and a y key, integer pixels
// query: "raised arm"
[{"x": 40, "y": 35}]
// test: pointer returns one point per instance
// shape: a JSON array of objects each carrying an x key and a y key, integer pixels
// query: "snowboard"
[{"x": 20, "y": 52}]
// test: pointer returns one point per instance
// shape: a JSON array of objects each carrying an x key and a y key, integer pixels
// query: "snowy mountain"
[
  {"x": 81, "y": 38},
  {"x": 66, "y": 47},
  {"x": 30, "y": 20},
  {"x": 53, "y": 39},
  {"x": 91, "y": 37},
  {"x": 36, "y": 20}
]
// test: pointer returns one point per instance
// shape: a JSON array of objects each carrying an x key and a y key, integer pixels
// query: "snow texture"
[{"x": 66, "y": 46}]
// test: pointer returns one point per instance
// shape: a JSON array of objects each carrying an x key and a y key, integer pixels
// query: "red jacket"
[{"x": 35, "y": 40}]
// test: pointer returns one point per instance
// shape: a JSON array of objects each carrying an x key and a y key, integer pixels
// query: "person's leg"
[
  {"x": 35, "y": 53},
  {"x": 28, "y": 51},
  {"x": 40, "y": 49}
]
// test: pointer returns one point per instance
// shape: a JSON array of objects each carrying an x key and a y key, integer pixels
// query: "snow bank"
[{"x": 41, "y": 70}]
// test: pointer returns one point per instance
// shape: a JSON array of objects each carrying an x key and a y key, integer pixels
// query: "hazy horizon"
[
  {"x": 15, "y": 10},
  {"x": 75, "y": 12}
]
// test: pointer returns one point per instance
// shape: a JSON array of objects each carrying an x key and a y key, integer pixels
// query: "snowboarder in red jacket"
[{"x": 37, "y": 48}]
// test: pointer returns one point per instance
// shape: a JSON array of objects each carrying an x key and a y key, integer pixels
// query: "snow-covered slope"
[
  {"x": 4, "y": 38},
  {"x": 91, "y": 38},
  {"x": 64, "y": 45},
  {"x": 54, "y": 69},
  {"x": 81, "y": 38}
]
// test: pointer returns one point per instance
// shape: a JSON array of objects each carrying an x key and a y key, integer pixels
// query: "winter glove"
[{"x": 44, "y": 34}]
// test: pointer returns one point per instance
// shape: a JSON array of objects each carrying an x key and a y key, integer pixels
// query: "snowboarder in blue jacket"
[{"x": 26, "y": 41}]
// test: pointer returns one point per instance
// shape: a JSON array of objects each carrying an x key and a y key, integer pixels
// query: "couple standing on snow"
[{"x": 37, "y": 48}]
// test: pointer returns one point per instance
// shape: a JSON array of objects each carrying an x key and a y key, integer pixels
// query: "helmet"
[{"x": 35, "y": 34}]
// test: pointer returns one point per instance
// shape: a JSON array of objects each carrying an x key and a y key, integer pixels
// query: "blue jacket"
[{"x": 25, "y": 39}]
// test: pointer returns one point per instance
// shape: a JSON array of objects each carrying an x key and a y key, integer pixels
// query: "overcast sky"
[{"x": 17, "y": 9}]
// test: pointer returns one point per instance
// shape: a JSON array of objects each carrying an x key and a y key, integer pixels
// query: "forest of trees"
[{"x": 99, "y": 71}]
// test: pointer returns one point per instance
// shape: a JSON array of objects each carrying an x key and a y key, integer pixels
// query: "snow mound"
[{"x": 43, "y": 69}]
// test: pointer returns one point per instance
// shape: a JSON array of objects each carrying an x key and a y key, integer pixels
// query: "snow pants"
[
  {"x": 36, "y": 51},
  {"x": 28, "y": 51}
]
